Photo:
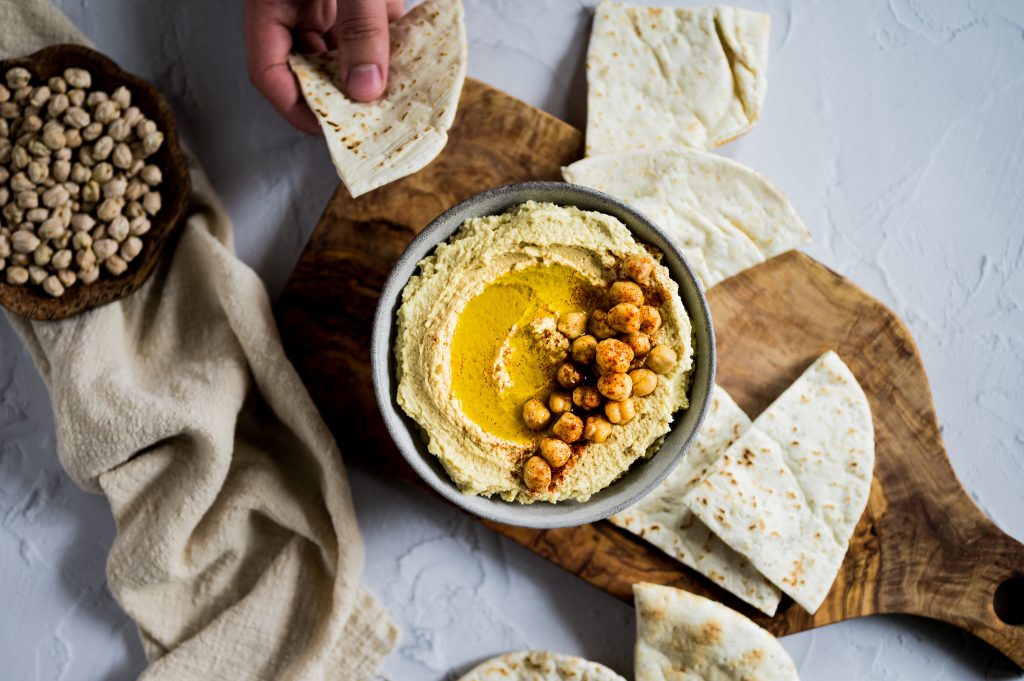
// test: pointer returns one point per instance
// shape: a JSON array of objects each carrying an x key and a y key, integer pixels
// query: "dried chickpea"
[
  {"x": 568, "y": 427},
  {"x": 661, "y": 359},
  {"x": 558, "y": 402},
  {"x": 586, "y": 397},
  {"x": 572, "y": 325},
  {"x": 615, "y": 387},
  {"x": 584, "y": 349},
  {"x": 555, "y": 452},
  {"x": 535, "y": 414},
  {"x": 568, "y": 375},
  {"x": 67, "y": 277},
  {"x": 645, "y": 382},
  {"x": 537, "y": 474},
  {"x": 625, "y": 292},
  {"x": 17, "y": 276},
  {"x": 116, "y": 265},
  {"x": 624, "y": 318},
  {"x": 620, "y": 412},
  {"x": 650, "y": 319},
  {"x": 613, "y": 356},
  {"x": 597, "y": 429},
  {"x": 52, "y": 285}
]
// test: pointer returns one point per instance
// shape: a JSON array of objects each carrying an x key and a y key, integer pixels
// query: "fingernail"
[{"x": 364, "y": 81}]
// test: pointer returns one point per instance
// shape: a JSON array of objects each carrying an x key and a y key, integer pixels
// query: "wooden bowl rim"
[{"x": 176, "y": 188}]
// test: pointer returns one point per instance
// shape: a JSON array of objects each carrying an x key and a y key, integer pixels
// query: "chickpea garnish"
[
  {"x": 613, "y": 356},
  {"x": 568, "y": 427},
  {"x": 639, "y": 268},
  {"x": 661, "y": 359},
  {"x": 645, "y": 382},
  {"x": 559, "y": 403},
  {"x": 555, "y": 452},
  {"x": 624, "y": 318},
  {"x": 639, "y": 343},
  {"x": 650, "y": 319},
  {"x": 584, "y": 349},
  {"x": 568, "y": 375},
  {"x": 537, "y": 474},
  {"x": 586, "y": 397},
  {"x": 598, "y": 326},
  {"x": 572, "y": 325},
  {"x": 615, "y": 387},
  {"x": 620, "y": 412},
  {"x": 625, "y": 292},
  {"x": 536, "y": 415},
  {"x": 597, "y": 429}
]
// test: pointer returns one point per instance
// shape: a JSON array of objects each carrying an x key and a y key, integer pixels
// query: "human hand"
[{"x": 357, "y": 28}]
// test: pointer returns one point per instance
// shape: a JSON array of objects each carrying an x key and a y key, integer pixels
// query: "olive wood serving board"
[{"x": 922, "y": 547}]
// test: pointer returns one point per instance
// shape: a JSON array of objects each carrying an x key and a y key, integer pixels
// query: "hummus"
[{"x": 477, "y": 339}]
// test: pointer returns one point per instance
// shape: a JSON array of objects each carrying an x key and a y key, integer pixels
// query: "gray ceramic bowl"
[{"x": 643, "y": 476}]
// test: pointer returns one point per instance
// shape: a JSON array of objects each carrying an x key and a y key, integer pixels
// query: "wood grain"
[
  {"x": 922, "y": 547},
  {"x": 176, "y": 188}
]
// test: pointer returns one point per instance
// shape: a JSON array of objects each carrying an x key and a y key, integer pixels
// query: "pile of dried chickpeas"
[
  {"x": 614, "y": 359},
  {"x": 76, "y": 192}
]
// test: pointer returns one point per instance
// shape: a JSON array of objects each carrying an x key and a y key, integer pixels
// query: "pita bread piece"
[
  {"x": 788, "y": 493},
  {"x": 683, "y": 637},
  {"x": 661, "y": 77},
  {"x": 540, "y": 665},
  {"x": 724, "y": 216},
  {"x": 374, "y": 143},
  {"x": 662, "y": 520}
]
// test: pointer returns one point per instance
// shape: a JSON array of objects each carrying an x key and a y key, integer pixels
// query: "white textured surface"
[{"x": 894, "y": 126}]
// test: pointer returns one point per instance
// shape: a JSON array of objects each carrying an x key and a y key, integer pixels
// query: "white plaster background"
[{"x": 896, "y": 128}]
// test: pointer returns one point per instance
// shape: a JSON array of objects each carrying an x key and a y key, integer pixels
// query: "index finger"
[{"x": 267, "y": 44}]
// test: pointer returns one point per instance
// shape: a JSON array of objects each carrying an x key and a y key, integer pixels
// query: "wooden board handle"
[{"x": 980, "y": 587}]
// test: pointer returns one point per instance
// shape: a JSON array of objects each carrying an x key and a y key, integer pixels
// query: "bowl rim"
[
  {"x": 399, "y": 425},
  {"x": 176, "y": 188}
]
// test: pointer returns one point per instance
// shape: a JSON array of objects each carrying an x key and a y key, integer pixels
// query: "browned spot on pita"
[{"x": 710, "y": 633}]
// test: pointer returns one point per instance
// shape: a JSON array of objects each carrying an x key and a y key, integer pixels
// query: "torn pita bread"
[
  {"x": 374, "y": 143},
  {"x": 662, "y": 520},
  {"x": 789, "y": 492},
  {"x": 540, "y": 665},
  {"x": 683, "y": 637},
  {"x": 661, "y": 77},
  {"x": 724, "y": 216}
]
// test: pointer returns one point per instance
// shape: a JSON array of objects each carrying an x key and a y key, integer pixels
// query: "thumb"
[{"x": 363, "y": 47}]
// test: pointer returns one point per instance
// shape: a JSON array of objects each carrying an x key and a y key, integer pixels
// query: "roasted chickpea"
[
  {"x": 568, "y": 428},
  {"x": 639, "y": 342},
  {"x": 555, "y": 452},
  {"x": 536, "y": 415},
  {"x": 568, "y": 375},
  {"x": 639, "y": 268},
  {"x": 645, "y": 382},
  {"x": 625, "y": 292},
  {"x": 537, "y": 474},
  {"x": 613, "y": 356},
  {"x": 598, "y": 326},
  {"x": 559, "y": 403},
  {"x": 586, "y": 397},
  {"x": 650, "y": 319},
  {"x": 661, "y": 359},
  {"x": 616, "y": 387},
  {"x": 584, "y": 349},
  {"x": 597, "y": 429},
  {"x": 620, "y": 412},
  {"x": 572, "y": 324},
  {"x": 624, "y": 318}
]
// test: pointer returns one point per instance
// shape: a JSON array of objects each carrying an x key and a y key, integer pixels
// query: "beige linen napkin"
[{"x": 237, "y": 551}]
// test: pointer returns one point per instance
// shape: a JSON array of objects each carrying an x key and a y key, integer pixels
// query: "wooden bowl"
[{"x": 175, "y": 189}]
